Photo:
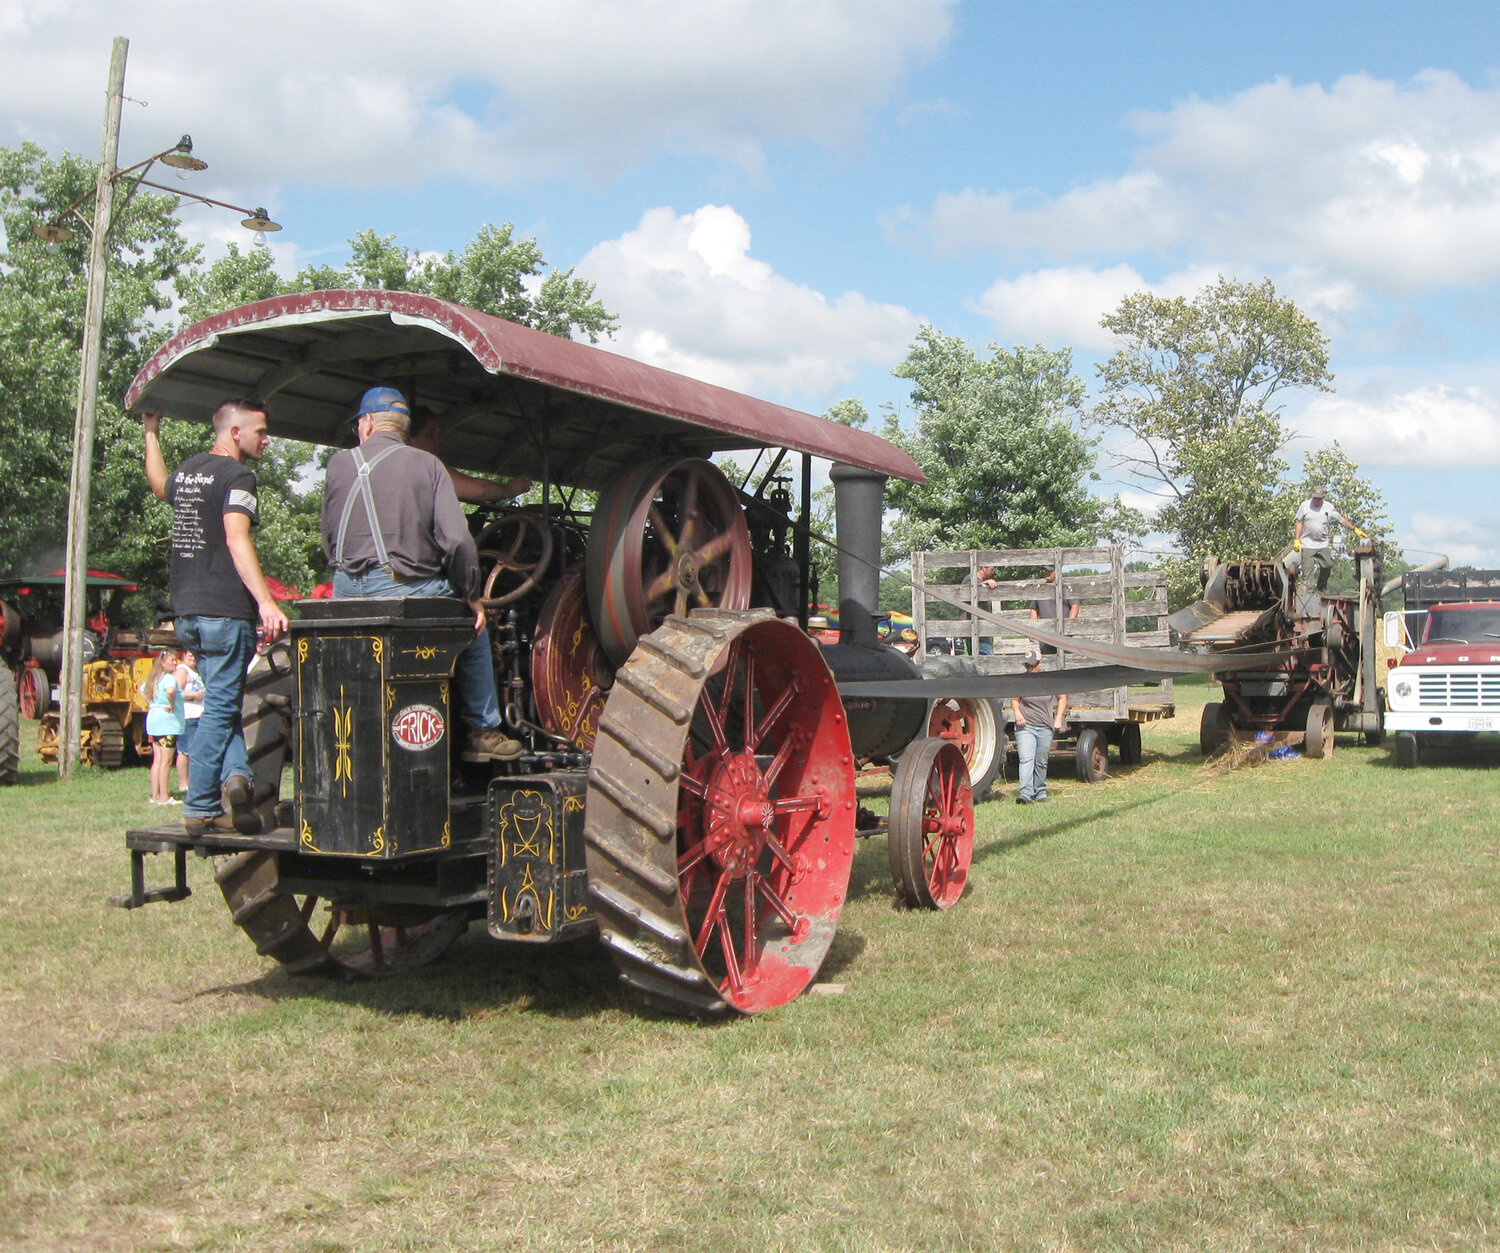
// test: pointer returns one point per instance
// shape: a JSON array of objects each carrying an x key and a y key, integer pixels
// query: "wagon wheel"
[
  {"x": 1319, "y": 738},
  {"x": 570, "y": 674},
  {"x": 10, "y": 734},
  {"x": 519, "y": 543},
  {"x": 976, "y": 726},
  {"x": 1213, "y": 728},
  {"x": 931, "y": 841},
  {"x": 1092, "y": 764},
  {"x": 308, "y": 935},
  {"x": 102, "y": 742},
  {"x": 1130, "y": 744},
  {"x": 36, "y": 693},
  {"x": 667, "y": 538},
  {"x": 719, "y": 826}
]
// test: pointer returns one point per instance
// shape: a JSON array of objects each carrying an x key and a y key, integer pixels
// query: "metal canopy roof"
[{"x": 509, "y": 397}]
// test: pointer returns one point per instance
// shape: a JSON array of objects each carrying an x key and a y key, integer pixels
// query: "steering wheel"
[{"x": 520, "y": 545}]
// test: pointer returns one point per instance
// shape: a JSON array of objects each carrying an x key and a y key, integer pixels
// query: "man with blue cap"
[{"x": 392, "y": 527}]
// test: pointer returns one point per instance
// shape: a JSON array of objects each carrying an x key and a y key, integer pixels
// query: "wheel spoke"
[
  {"x": 690, "y": 501},
  {"x": 664, "y": 535},
  {"x": 308, "y": 905},
  {"x": 773, "y": 715},
  {"x": 750, "y": 881},
  {"x": 731, "y": 958},
  {"x": 713, "y": 715},
  {"x": 713, "y": 915},
  {"x": 335, "y": 920},
  {"x": 377, "y": 950},
  {"x": 783, "y": 910},
  {"x": 778, "y": 762}
]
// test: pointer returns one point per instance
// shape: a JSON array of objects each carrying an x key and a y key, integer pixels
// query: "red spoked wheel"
[
  {"x": 517, "y": 550},
  {"x": 570, "y": 675},
  {"x": 720, "y": 816},
  {"x": 35, "y": 692},
  {"x": 667, "y": 538},
  {"x": 931, "y": 840}
]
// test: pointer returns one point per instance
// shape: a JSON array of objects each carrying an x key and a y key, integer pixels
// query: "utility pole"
[{"x": 76, "y": 571}]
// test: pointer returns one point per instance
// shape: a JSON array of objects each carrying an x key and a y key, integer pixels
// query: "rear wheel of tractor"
[
  {"x": 10, "y": 735},
  {"x": 1130, "y": 744},
  {"x": 1213, "y": 729},
  {"x": 1093, "y": 756},
  {"x": 1408, "y": 750},
  {"x": 977, "y": 726},
  {"x": 719, "y": 826},
  {"x": 1319, "y": 739},
  {"x": 374, "y": 942},
  {"x": 931, "y": 840},
  {"x": 36, "y": 693}
]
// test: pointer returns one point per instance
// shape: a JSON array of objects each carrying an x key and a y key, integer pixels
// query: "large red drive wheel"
[
  {"x": 570, "y": 675},
  {"x": 36, "y": 693},
  {"x": 931, "y": 841},
  {"x": 667, "y": 538},
  {"x": 720, "y": 817}
]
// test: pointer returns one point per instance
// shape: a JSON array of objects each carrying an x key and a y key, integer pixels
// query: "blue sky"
[{"x": 775, "y": 195}]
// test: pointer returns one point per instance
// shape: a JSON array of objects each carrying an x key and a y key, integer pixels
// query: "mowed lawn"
[{"x": 1180, "y": 1009}]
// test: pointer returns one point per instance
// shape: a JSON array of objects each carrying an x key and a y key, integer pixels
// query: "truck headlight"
[{"x": 1402, "y": 689}]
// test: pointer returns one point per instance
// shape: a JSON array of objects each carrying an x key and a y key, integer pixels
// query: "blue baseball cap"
[{"x": 381, "y": 400}]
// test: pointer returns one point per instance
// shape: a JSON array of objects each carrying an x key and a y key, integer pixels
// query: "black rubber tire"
[
  {"x": 1130, "y": 744},
  {"x": 1318, "y": 742},
  {"x": 984, "y": 769},
  {"x": 1408, "y": 750},
  {"x": 1376, "y": 737},
  {"x": 10, "y": 733},
  {"x": 1213, "y": 729},
  {"x": 1092, "y": 762}
]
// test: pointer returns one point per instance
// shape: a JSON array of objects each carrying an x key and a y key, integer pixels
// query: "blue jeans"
[
  {"x": 224, "y": 647},
  {"x": 1033, "y": 747},
  {"x": 474, "y": 671}
]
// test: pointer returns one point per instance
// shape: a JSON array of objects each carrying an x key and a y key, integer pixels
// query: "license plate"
[{"x": 1481, "y": 724}]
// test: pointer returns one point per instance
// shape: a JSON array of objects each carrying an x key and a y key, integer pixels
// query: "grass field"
[{"x": 1180, "y": 1009}]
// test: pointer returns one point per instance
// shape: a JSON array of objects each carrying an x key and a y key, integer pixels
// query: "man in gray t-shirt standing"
[
  {"x": 1313, "y": 536},
  {"x": 1037, "y": 718}
]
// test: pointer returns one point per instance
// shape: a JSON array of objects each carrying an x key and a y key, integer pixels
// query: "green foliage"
[
  {"x": 1006, "y": 466},
  {"x": 1195, "y": 389},
  {"x": 496, "y": 273},
  {"x": 42, "y": 297}
]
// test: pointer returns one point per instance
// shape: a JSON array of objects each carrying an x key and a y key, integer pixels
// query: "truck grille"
[{"x": 1459, "y": 689}]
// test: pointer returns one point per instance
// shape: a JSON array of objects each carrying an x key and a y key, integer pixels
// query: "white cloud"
[
  {"x": 1393, "y": 185},
  {"x": 691, "y": 298},
  {"x": 1463, "y": 541},
  {"x": 1064, "y": 305},
  {"x": 378, "y": 93},
  {"x": 1434, "y": 424}
]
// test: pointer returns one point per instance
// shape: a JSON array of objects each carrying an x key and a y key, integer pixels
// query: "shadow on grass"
[
  {"x": 478, "y": 975},
  {"x": 1020, "y": 839}
]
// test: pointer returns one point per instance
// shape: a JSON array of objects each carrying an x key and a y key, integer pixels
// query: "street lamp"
[{"x": 179, "y": 156}]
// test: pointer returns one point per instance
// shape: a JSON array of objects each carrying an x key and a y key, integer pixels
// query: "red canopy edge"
[{"x": 505, "y": 348}]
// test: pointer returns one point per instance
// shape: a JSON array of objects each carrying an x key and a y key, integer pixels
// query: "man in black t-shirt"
[{"x": 218, "y": 593}]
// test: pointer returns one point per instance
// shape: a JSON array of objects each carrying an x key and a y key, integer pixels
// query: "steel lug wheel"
[{"x": 931, "y": 841}]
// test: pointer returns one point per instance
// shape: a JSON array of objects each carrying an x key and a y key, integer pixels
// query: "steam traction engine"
[{"x": 687, "y": 785}]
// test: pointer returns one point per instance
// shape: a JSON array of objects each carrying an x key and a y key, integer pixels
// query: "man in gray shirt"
[
  {"x": 392, "y": 527},
  {"x": 1037, "y": 719}
]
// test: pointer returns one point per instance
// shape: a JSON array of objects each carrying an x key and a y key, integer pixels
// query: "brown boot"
[
  {"x": 219, "y": 824},
  {"x": 490, "y": 744},
  {"x": 239, "y": 801}
]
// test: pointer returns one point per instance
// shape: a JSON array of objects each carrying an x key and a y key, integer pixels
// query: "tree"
[
  {"x": 1196, "y": 390},
  {"x": 496, "y": 273},
  {"x": 1005, "y": 463},
  {"x": 42, "y": 296}
]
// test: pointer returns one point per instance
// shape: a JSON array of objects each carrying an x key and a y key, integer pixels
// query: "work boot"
[
  {"x": 239, "y": 800},
  {"x": 490, "y": 744},
  {"x": 219, "y": 824}
]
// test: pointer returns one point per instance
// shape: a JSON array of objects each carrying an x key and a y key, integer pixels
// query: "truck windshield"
[{"x": 1467, "y": 626}]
